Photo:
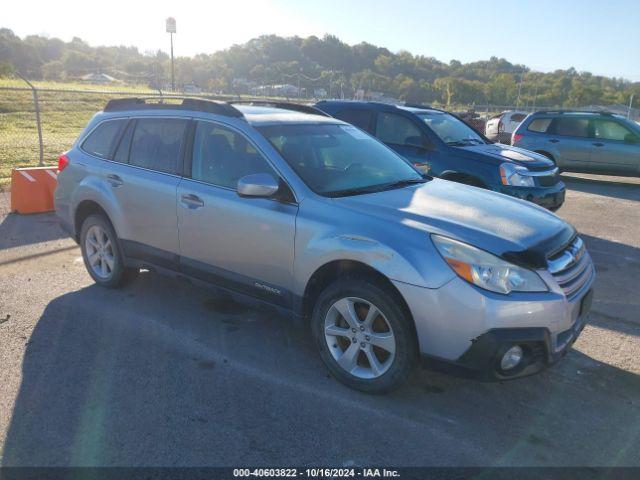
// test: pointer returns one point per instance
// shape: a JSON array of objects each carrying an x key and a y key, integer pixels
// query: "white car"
[{"x": 500, "y": 127}]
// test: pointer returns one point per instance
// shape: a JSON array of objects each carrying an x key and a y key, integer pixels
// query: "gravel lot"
[{"x": 164, "y": 373}]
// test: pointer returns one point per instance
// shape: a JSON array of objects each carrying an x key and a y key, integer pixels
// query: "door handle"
[
  {"x": 114, "y": 180},
  {"x": 554, "y": 140},
  {"x": 191, "y": 201},
  {"x": 598, "y": 144}
]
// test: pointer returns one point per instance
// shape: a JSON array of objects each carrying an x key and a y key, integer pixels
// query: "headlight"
[
  {"x": 485, "y": 270},
  {"x": 515, "y": 175}
]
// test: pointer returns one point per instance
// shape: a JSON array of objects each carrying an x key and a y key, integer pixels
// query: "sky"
[{"x": 600, "y": 36}]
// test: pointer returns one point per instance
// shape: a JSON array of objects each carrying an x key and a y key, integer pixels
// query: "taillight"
[
  {"x": 515, "y": 138},
  {"x": 63, "y": 162}
]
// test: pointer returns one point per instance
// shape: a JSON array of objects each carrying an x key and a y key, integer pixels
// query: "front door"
[
  {"x": 617, "y": 148},
  {"x": 241, "y": 243},
  {"x": 404, "y": 136}
]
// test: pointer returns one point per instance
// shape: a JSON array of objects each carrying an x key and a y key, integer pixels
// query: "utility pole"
[
  {"x": 630, "y": 104},
  {"x": 171, "y": 29}
]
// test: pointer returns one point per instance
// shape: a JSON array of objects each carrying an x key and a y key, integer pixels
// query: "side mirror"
[
  {"x": 416, "y": 142},
  {"x": 630, "y": 138},
  {"x": 257, "y": 185}
]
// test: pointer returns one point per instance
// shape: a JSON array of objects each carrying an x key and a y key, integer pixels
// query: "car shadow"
[
  {"x": 621, "y": 187},
  {"x": 17, "y": 230},
  {"x": 615, "y": 304},
  {"x": 162, "y": 373}
]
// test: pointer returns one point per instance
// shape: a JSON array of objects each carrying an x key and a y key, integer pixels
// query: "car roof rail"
[
  {"x": 563, "y": 111},
  {"x": 188, "y": 103},
  {"x": 295, "y": 107}
]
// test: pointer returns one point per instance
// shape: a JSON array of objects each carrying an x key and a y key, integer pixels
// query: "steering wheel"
[{"x": 352, "y": 166}]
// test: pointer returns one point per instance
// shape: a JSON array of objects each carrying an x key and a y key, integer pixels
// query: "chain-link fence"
[{"x": 39, "y": 123}]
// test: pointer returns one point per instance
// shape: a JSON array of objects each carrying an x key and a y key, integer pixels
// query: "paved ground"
[{"x": 163, "y": 373}]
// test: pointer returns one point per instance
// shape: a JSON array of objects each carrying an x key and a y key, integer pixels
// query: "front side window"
[
  {"x": 450, "y": 129},
  {"x": 156, "y": 144},
  {"x": 101, "y": 141},
  {"x": 571, "y": 126},
  {"x": 610, "y": 130},
  {"x": 222, "y": 156},
  {"x": 339, "y": 160},
  {"x": 397, "y": 130}
]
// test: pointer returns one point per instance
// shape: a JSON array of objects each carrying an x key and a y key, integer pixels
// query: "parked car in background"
[
  {"x": 313, "y": 216},
  {"x": 442, "y": 145},
  {"x": 593, "y": 142},
  {"x": 500, "y": 127}
]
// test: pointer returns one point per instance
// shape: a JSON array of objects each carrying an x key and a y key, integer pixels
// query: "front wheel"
[{"x": 364, "y": 337}]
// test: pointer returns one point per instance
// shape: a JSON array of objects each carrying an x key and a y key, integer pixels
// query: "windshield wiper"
[
  {"x": 465, "y": 141},
  {"x": 403, "y": 183},
  {"x": 375, "y": 188}
]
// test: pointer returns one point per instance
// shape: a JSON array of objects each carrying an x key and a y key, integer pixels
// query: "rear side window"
[
  {"x": 571, "y": 126},
  {"x": 156, "y": 144},
  {"x": 101, "y": 141},
  {"x": 358, "y": 117},
  {"x": 540, "y": 125},
  {"x": 518, "y": 117}
]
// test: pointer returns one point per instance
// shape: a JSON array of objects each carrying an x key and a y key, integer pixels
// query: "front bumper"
[
  {"x": 547, "y": 197},
  {"x": 540, "y": 348},
  {"x": 467, "y": 326}
]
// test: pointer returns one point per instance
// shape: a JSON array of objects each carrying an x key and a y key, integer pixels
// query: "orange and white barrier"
[{"x": 32, "y": 189}]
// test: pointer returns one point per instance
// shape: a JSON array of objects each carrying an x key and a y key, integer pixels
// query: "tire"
[
  {"x": 97, "y": 237},
  {"x": 392, "y": 368}
]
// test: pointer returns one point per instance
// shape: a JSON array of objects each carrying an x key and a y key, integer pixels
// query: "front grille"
[
  {"x": 572, "y": 268},
  {"x": 548, "y": 180}
]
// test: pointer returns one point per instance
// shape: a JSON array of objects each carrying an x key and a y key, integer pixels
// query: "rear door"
[
  {"x": 569, "y": 136},
  {"x": 616, "y": 147},
  {"x": 245, "y": 244},
  {"x": 143, "y": 178}
]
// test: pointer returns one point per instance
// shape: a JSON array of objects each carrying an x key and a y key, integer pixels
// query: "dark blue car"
[{"x": 442, "y": 145}]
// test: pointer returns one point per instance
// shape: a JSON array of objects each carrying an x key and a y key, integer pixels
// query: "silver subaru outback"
[{"x": 312, "y": 215}]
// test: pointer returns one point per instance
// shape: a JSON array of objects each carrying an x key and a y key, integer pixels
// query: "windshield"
[
  {"x": 339, "y": 160},
  {"x": 451, "y": 130}
]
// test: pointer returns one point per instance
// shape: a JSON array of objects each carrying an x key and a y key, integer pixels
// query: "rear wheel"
[
  {"x": 364, "y": 337},
  {"x": 101, "y": 253}
]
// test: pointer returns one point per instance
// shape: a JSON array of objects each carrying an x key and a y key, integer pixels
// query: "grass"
[
  {"x": 63, "y": 113},
  {"x": 63, "y": 116}
]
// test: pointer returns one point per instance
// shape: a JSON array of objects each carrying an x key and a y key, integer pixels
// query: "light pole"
[
  {"x": 630, "y": 105},
  {"x": 171, "y": 29}
]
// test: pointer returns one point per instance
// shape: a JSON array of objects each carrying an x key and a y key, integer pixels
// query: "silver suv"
[{"x": 316, "y": 217}]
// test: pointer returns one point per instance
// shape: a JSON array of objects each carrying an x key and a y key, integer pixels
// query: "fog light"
[{"x": 511, "y": 358}]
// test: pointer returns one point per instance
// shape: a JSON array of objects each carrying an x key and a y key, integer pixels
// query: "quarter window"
[
  {"x": 222, "y": 156},
  {"x": 101, "y": 141},
  {"x": 540, "y": 125},
  {"x": 397, "y": 130},
  {"x": 610, "y": 130},
  {"x": 156, "y": 144}
]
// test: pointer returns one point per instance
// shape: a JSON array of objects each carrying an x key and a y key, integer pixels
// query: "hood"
[
  {"x": 518, "y": 231},
  {"x": 506, "y": 153}
]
